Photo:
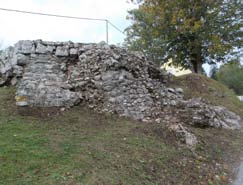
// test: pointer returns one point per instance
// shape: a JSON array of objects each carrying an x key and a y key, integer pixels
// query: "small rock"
[
  {"x": 184, "y": 135},
  {"x": 62, "y": 109},
  {"x": 171, "y": 90},
  {"x": 179, "y": 90}
]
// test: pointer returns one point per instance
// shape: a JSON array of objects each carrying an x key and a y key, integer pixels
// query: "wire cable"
[
  {"x": 62, "y": 16},
  {"x": 114, "y": 26},
  {"x": 52, "y": 15}
]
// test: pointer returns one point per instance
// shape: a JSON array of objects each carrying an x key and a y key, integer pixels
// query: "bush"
[{"x": 231, "y": 75}]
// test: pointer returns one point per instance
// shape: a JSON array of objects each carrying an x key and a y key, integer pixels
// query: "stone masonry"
[{"x": 105, "y": 77}]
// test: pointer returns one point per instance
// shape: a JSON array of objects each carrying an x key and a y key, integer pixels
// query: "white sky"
[{"x": 16, "y": 26}]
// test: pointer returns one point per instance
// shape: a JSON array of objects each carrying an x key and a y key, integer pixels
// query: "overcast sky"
[{"x": 16, "y": 26}]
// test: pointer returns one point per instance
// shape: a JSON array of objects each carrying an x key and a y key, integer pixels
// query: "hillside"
[
  {"x": 82, "y": 113},
  {"x": 80, "y": 147},
  {"x": 195, "y": 85}
]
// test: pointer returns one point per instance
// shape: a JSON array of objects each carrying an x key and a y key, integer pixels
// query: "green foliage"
[
  {"x": 81, "y": 147},
  {"x": 213, "y": 72},
  {"x": 191, "y": 32},
  {"x": 231, "y": 75}
]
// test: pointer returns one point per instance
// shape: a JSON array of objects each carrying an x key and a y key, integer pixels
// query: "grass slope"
[
  {"x": 195, "y": 85},
  {"x": 81, "y": 147}
]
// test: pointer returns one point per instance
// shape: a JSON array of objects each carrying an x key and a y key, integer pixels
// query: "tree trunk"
[
  {"x": 196, "y": 61},
  {"x": 196, "y": 55}
]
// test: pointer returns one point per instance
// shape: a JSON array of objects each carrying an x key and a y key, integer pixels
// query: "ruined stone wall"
[{"x": 104, "y": 77}]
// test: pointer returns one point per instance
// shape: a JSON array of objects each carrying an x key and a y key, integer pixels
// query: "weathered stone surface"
[
  {"x": 50, "y": 49},
  {"x": 201, "y": 114},
  {"x": 41, "y": 48},
  {"x": 107, "y": 78},
  {"x": 43, "y": 84},
  {"x": 171, "y": 97},
  {"x": 110, "y": 81},
  {"x": 21, "y": 59},
  {"x": 62, "y": 51},
  {"x": 74, "y": 51},
  {"x": 7, "y": 60},
  {"x": 24, "y": 47}
]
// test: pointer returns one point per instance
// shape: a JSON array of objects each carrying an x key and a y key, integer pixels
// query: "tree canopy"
[{"x": 190, "y": 32}]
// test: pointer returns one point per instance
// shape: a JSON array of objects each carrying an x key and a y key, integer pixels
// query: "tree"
[
  {"x": 232, "y": 76},
  {"x": 190, "y": 32}
]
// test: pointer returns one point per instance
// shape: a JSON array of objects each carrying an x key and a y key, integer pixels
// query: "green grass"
[
  {"x": 82, "y": 147},
  {"x": 195, "y": 85}
]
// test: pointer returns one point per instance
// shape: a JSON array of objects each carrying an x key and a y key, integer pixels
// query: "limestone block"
[
  {"x": 41, "y": 48},
  {"x": 24, "y": 47},
  {"x": 62, "y": 51},
  {"x": 22, "y": 59},
  {"x": 73, "y": 51}
]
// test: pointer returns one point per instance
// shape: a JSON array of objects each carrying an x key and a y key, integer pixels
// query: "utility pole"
[{"x": 107, "y": 31}]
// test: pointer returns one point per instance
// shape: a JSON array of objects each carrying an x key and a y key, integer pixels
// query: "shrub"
[{"x": 232, "y": 76}]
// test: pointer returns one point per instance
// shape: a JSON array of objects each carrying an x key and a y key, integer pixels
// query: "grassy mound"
[
  {"x": 81, "y": 147},
  {"x": 195, "y": 85}
]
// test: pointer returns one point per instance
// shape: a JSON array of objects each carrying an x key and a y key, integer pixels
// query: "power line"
[
  {"x": 66, "y": 16},
  {"x": 114, "y": 26},
  {"x": 52, "y": 15}
]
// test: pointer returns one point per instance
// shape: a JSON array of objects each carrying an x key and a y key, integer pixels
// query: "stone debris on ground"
[
  {"x": 200, "y": 114},
  {"x": 184, "y": 134},
  {"x": 104, "y": 77}
]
